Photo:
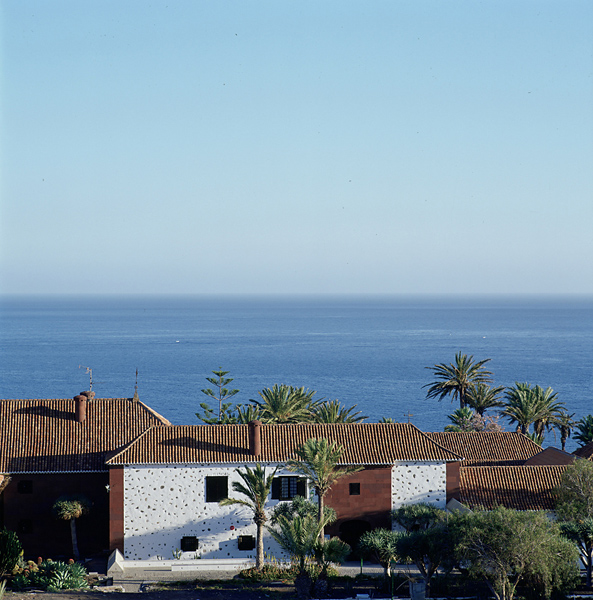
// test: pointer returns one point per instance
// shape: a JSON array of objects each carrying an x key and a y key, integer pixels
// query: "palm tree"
[
  {"x": 461, "y": 420},
  {"x": 550, "y": 410},
  {"x": 456, "y": 379},
  {"x": 481, "y": 397},
  {"x": 319, "y": 463},
  {"x": 565, "y": 424},
  {"x": 70, "y": 509},
  {"x": 585, "y": 427},
  {"x": 256, "y": 489},
  {"x": 335, "y": 412},
  {"x": 286, "y": 404},
  {"x": 528, "y": 405},
  {"x": 520, "y": 408}
]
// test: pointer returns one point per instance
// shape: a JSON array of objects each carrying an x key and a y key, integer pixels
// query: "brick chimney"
[
  {"x": 80, "y": 408},
  {"x": 254, "y": 437}
]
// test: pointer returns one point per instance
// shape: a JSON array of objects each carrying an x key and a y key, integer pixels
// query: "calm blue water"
[{"x": 367, "y": 351}]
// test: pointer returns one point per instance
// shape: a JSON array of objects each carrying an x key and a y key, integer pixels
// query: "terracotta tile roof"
[
  {"x": 488, "y": 448},
  {"x": 43, "y": 435},
  {"x": 519, "y": 487},
  {"x": 585, "y": 451},
  {"x": 364, "y": 443},
  {"x": 551, "y": 456}
]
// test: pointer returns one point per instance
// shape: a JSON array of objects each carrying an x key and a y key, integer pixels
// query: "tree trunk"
[
  {"x": 259, "y": 558},
  {"x": 74, "y": 539},
  {"x": 320, "y": 517}
]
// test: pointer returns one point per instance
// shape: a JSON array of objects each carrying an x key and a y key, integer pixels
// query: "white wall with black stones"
[
  {"x": 163, "y": 503},
  {"x": 413, "y": 482}
]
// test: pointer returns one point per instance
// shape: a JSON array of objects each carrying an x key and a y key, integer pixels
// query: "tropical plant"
[
  {"x": 574, "y": 509},
  {"x": 386, "y": 420},
  {"x": 256, "y": 489},
  {"x": 70, "y": 509},
  {"x": 51, "y": 576},
  {"x": 425, "y": 542},
  {"x": 528, "y": 405},
  {"x": 286, "y": 404},
  {"x": 10, "y": 551},
  {"x": 318, "y": 462},
  {"x": 381, "y": 544},
  {"x": 482, "y": 397},
  {"x": 565, "y": 424},
  {"x": 418, "y": 516},
  {"x": 427, "y": 549},
  {"x": 301, "y": 507},
  {"x": 300, "y": 537},
  {"x": 221, "y": 394},
  {"x": 455, "y": 380},
  {"x": 335, "y": 412},
  {"x": 585, "y": 428},
  {"x": 247, "y": 413},
  {"x": 461, "y": 420},
  {"x": 507, "y": 547}
]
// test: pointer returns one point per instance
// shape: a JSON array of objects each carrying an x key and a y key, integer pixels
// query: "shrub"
[
  {"x": 10, "y": 551},
  {"x": 51, "y": 576}
]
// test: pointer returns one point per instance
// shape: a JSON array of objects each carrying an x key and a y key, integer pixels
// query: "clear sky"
[{"x": 326, "y": 146}]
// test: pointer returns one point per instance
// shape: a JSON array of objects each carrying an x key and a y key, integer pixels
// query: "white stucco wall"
[
  {"x": 164, "y": 503},
  {"x": 413, "y": 482}
]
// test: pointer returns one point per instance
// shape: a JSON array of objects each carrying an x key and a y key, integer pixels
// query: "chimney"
[
  {"x": 89, "y": 395},
  {"x": 80, "y": 408},
  {"x": 254, "y": 437}
]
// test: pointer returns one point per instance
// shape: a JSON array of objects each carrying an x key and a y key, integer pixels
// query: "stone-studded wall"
[
  {"x": 413, "y": 482},
  {"x": 162, "y": 504}
]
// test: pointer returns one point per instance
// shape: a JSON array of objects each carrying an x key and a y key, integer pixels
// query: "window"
[
  {"x": 25, "y": 486},
  {"x": 217, "y": 489},
  {"x": 286, "y": 488},
  {"x": 246, "y": 542},
  {"x": 355, "y": 489}
]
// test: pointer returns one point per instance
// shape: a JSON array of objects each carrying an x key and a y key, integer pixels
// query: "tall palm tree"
[
  {"x": 550, "y": 409},
  {"x": 318, "y": 461},
  {"x": 335, "y": 412},
  {"x": 256, "y": 489},
  {"x": 565, "y": 424},
  {"x": 456, "y": 379},
  {"x": 286, "y": 404},
  {"x": 481, "y": 397}
]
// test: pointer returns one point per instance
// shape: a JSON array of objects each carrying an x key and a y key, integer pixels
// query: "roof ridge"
[{"x": 115, "y": 453}]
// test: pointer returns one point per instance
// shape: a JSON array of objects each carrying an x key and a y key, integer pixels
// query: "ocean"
[{"x": 375, "y": 352}]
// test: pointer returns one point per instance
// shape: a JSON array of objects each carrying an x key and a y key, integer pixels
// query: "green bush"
[
  {"x": 270, "y": 572},
  {"x": 10, "y": 551},
  {"x": 51, "y": 576}
]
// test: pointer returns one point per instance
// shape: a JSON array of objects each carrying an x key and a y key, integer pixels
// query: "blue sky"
[{"x": 297, "y": 147}]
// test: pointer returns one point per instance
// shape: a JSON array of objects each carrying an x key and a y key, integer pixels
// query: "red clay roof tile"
[
  {"x": 488, "y": 447},
  {"x": 363, "y": 443},
  {"x": 518, "y": 487},
  {"x": 43, "y": 435}
]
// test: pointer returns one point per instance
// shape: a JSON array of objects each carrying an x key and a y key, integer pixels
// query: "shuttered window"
[{"x": 286, "y": 488}]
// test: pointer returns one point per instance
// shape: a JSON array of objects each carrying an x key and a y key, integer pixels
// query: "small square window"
[
  {"x": 246, "y": 542},
  {"x": 217, "y": 488},
  {"x": 355, "y": 489},
  {"x": 25, "y": 486}
]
